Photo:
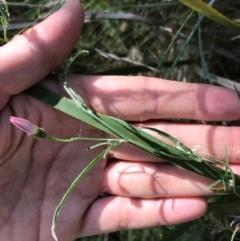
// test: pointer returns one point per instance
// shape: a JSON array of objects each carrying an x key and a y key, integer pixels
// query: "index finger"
[{"x": 143, "y": 98}]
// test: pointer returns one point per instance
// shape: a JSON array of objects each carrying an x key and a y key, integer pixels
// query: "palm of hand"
[{"x": 40, "y": 171}]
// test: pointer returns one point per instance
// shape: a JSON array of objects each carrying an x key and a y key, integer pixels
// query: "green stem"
[
  {"x": 75, "y": 182},
  {"x": 79, "y": 139}
]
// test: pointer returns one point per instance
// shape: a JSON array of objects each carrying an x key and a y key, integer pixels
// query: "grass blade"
[
  {"x": 211, "y": 13},
  {"x": 74, "y": 184},
  {"x": 132, "y": 135}
]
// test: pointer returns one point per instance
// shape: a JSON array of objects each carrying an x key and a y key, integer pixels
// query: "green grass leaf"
[
  {"x": 70, "y": 189},
  {"x": 131, "y": 134},
  {"x": 211, "y": 13}
]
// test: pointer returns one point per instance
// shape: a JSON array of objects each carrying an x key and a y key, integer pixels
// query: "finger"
[
  {"x": 143, "y": 98},
  {"x": 111, "y": 214},
  {"x": 31, "y": 56},
  {"x": 208, "y": 140},
  {"x": 152, "y": 180},
  {"x": 155, "y": 180}
]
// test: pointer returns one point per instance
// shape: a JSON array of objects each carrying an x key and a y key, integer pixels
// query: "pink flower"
[{"x": 28, "y": 127}]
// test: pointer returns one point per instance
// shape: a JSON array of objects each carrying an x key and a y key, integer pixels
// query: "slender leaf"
[
  {"x": 74, "y": 184},
  {"x": 211, "y": 13},
  {"x": 130, "y": 134}
]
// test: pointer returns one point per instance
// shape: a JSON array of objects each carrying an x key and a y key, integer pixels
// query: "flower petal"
[{"x": 24, "y": 125}]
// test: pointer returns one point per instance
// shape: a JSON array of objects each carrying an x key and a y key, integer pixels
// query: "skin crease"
[{"x": 34, "y": 174}]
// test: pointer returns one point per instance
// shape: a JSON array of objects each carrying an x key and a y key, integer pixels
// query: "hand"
[{"x": 34, "y": 174}]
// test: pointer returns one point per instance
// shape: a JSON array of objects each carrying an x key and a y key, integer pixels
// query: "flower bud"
[{"x": 28, "y": 127}]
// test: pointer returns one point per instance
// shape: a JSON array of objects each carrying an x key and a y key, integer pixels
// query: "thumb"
[{"x": 29, "y": 57}]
